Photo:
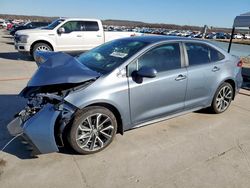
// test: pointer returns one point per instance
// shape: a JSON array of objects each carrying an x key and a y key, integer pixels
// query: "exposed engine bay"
[{"x": 38, "y": 97}]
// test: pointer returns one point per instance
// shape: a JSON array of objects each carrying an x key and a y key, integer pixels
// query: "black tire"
[
  {"x": 40, "y": 45},
  {"x": 218, "y": 98},
  {"x": 80, "y": 120}
]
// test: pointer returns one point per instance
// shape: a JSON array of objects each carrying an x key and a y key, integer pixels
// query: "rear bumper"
[{"x": 37, "y": 130}]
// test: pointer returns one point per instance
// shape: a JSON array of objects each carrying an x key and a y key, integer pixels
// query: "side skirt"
[{"x": 166, "y": 118}]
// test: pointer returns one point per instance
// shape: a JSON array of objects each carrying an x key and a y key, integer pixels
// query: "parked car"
[
  {"x": 238, "y": 36},
  {"x": 66, "y": 34},
  {"x": 247, "y": 36},
  {"x": 9, "y": 26},
  {"x": 121, "y": 85},
  {"x": 210, "y": 36},
  {"x": 3, "y": 24},
  {"x": 29, "y": 25},
  {"x": 220, "y": 35}
]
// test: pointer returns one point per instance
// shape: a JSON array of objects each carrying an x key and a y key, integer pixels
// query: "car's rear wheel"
[
  {"x": 93, "y": 129},
  {"x": 40, "y": 47},
  {"x": 222, "y": 98}
]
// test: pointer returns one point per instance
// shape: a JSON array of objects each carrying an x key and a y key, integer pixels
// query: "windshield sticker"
[{"x": 118, "y": 54}]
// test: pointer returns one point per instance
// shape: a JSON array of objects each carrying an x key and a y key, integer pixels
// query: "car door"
[
  {"x": 93, "y": 35},
  {"x": 72, "y": 37},
  {"x": 204, "y": 69},
  {"x": 163, "y": 95}
]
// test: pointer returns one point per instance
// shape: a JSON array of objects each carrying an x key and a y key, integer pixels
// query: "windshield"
[
  {"x": 109, "y": 56},
  {"x": 54, "y": 24}
]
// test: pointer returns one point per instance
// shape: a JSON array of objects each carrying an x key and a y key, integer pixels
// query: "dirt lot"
[
  {"x": 236, "y": 41},
  {"x": 194, "y": 150}
]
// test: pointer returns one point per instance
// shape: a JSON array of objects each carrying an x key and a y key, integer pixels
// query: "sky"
[{"x": 217, "y": 13}]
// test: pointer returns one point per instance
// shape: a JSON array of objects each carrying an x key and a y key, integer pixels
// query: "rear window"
[
  {"x": 199, "y": 54},
  {"x": 91, "y": 26},
  {"x": 215, "y": 55}
]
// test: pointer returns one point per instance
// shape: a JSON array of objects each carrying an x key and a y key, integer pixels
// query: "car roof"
[
  {"x": 159, "y": 38},
  {"x": 81, "y": 19},
  {"x": 154, "y": 39}
]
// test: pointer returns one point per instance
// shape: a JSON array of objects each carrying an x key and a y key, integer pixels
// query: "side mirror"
[
  {"x": 61, "y": 30},
  {"x": 147, "y": 72}
]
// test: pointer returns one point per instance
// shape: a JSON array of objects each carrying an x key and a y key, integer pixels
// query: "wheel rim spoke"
[
  {"x": 93, "y": 141},
  {"x": 86, "y": 143},
  {"x": 83, "y": 136},
  {"x": 226, "y": 103},
  {"x": 107, "y": 119},
  {"x": 107, "y": 128},
  {"x": 98, "y": 119},
  {"x": 83, "y": 128},
  {"x": 105, "y": 134},
  {"x": 89, "y": 120},
  {"x": 100, "y": 141}
]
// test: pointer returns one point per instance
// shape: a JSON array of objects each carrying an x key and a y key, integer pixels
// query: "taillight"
[{"x": 240, "y": 63}]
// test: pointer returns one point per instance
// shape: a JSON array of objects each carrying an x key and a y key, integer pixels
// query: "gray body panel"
[
  {"x": 111, "y": 89},
  {"x": 164, "y": 87},
  {"x": 40, "y": 129}
]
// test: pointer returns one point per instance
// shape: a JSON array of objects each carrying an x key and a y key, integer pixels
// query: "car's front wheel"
[
  {"x": 222, "y": 98},
  {"x": 40, "y": 47},
  {"x": 93, "y": 129}
]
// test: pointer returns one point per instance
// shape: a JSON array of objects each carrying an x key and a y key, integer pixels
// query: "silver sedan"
[{"x": 121, "y": 85}]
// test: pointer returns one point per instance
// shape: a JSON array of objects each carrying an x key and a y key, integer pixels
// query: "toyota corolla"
[{"x": 127, "y": 83}]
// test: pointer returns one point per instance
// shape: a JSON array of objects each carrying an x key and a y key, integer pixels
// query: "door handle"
[
  {"x": 180, "y": 77},
  {"x": 78, "y": 35},
  {"x": 215, "y": 69}
]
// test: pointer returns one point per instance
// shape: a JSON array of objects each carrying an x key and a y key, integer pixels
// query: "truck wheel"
[
  {"x": 93, "y": 129},
  {"x": 40, "y": 47},
  {"x": 222, "y": 98}
]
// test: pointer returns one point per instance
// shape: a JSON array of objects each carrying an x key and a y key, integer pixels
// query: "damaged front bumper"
[{"x": 38, "y": 130}]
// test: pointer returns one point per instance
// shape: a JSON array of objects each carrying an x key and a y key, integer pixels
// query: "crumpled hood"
[{"x": 61, "y": 68}]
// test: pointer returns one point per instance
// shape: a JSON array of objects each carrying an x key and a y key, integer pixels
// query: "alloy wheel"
[
  {"x": 224, "y": 98},
  {"x": 42, "y": 48},
  {"x": 95, "y": 132}
]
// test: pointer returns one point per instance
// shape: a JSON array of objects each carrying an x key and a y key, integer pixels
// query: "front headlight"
[{"x": 23, "y": 38}]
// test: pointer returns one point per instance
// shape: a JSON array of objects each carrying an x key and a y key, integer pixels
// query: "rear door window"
[
  {"x": 91, "y": 26},
  {"x": 215, "y": 55},
  {"x": 199, "y": 54}
]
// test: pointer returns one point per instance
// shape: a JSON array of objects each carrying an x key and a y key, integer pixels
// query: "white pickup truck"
[{"x": 66, "y": 34}]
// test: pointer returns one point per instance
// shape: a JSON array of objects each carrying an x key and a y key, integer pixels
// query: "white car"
[
  {"x": 238, "y": 36},
  {"x": 66, "y": 34},
  {"x": 3, "y": 24},
  {"x": 247, "y": 36}
]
